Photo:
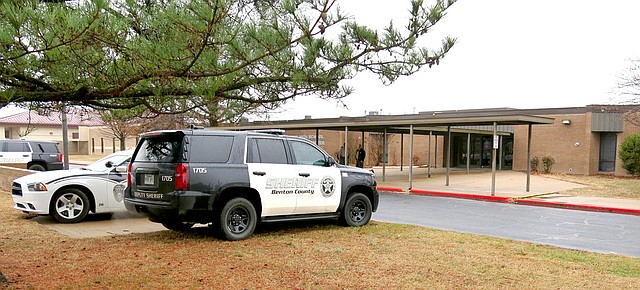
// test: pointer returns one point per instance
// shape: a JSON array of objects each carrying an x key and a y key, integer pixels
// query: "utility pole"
[{"x": 65, "y": 137}]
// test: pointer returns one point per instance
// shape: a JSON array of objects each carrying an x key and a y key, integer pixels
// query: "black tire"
[
  {"x": 37, "y": 167},
  {"x": 178, "y": 226},
  {"x": 69, "y": 205},
  {"x": 356, "y": 211},
  {"x": 238, "y": 219}
]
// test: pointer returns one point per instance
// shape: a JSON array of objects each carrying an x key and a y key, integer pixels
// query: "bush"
[
  {"x": 547, "y": 163},
  {"x": 534, "y": 163},
  {"x": 630, "y": 154}
]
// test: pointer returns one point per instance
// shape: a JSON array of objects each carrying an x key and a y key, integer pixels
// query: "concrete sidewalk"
[{"x": 510, "y": 187}]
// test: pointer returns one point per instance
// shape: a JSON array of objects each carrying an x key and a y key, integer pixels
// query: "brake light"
[
  {"x": 59, "y": 157},
  {"x": 129, "y": 174},
  {"x": 182, "y": 176}
]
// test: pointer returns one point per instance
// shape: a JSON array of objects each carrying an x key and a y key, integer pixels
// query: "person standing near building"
[
  {"x": 341, "y": 158},
  {"x": 360, "y": 155}
]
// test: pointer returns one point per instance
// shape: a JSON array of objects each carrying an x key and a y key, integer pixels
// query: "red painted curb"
[
  {"x": 503, "y": 199},
  {"x": 461, "y": 195},
  {"x": 584, "y": 207},
  {"x": 394, "y": 189}
]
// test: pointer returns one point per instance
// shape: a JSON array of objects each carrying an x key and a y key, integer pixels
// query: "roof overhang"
[{"x": 422, "y": 123}]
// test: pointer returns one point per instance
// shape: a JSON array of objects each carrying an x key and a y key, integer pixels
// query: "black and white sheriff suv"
[{"x": 234, "y": 180}]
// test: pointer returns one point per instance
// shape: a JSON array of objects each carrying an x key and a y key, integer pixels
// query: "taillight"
[
  {"x": 182, "y": 176},
  {"x": 129, "y": 174},
  {"x": 59, "y": 157}
]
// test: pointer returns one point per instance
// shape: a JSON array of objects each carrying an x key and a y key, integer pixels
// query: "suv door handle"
[
  {"x": 260, "y": 173},
  {"x": 304, "y": 174}
]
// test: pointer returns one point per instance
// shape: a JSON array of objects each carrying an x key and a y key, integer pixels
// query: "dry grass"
[
  {"x": 602, "y": 185},
  {"x": 297, "y": 256}
]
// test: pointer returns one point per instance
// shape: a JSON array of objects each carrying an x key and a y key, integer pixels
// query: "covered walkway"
[{"x": 425, "y": 123}]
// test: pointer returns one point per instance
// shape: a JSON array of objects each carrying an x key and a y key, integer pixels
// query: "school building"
[{"x": 581, "y": 140}]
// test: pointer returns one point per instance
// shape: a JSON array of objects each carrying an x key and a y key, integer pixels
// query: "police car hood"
[
  {"x": 351, "y": 169},
  {"x": 46, "y": 176}
]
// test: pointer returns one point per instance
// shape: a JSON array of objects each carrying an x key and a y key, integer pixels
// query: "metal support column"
[
  {"x": 493, "y": 159},
  {"x": 448, "y": 152},
  {"x": 346, "y": 145},
  {"x": 401, "y": 151},
  {"x": 528, "y": 158},
  {"x": 410, "y": 157},
  {"x": 317, "y": 136},
  {"x": 468, "y": 153},
  {"x": 384, "y": 153},
  {"x": 429, "y": 157}
]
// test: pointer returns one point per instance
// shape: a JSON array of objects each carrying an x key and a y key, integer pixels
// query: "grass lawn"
[
  {"x": 297, "y": 256},
  {"x": 602, "y": 185}
]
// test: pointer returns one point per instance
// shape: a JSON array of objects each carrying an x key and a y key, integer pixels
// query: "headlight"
[{"x": 38, "y": 186}]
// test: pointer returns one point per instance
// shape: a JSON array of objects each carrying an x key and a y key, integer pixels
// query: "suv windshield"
[{"x": 164, "y": 148}]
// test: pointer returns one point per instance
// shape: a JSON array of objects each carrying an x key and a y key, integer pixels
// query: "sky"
[
  {"x": 510, "y": 53},
  {"x": 522, "y": 54}
]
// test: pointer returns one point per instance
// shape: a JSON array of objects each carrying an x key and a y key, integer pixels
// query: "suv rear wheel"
[
  {"x": 37, "y": 167},
  {"x": 238, "y": 219}
]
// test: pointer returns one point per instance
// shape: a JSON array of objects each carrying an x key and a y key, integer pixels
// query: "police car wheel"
[
  {"x": 178, "y": 226},
  {"x": 357, "y": 210},
  {"x": 237, "y": 219},
  {"x": 69, "y": 206}
]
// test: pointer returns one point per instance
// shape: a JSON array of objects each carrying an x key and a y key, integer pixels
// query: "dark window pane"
[
  {"x": 607, "y": 152},
  {"x": 214, "y": 149},
  {"x": 271, "y": 151},
  {"x": 17, "y": 147},
  {"x": 160, "y": 149},
  {"x": 306, "y": 154}
]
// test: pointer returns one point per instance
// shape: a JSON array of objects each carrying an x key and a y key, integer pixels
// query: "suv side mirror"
[{"x": 330, "y": 162}]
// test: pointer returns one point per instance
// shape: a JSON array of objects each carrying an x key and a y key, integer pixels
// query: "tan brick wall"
[
  {"x": 569, "y": 144},
  {"x": 559, "y": 140}
]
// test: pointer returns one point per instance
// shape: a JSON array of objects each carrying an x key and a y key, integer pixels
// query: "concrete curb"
[{"x": 520, "y": 201}]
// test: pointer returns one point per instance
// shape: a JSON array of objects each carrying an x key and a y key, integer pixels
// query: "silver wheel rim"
[{"x": 69, "y": 206}]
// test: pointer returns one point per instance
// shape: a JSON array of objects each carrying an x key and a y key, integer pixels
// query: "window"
[
  {"x": 17, "y": 147},
  {"x": 607, "y": 162},
  {"x": 164, "y": 148},
  {"x": 212, "y": 149},
  {"x": 306, "y": 154},
  {"x": 47, "y": 147},
  {"x": 263, "y": 150}
]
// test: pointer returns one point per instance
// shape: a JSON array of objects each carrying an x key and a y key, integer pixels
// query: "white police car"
[{"x": 69, "y": 195}]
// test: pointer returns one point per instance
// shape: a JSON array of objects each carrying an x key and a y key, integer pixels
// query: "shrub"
[
  {"x": 547, "y": 163},
  {"x": 630, "y": 154},
  {"x": 534, "y": 163}
]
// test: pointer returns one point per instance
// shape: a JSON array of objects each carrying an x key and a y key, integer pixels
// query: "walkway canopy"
[{"x": 489, "y": 121}]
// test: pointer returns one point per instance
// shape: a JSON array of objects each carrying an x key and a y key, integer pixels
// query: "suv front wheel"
[
  {"x": 356, "y": 211},
  {"x": 238, "y": 219}
]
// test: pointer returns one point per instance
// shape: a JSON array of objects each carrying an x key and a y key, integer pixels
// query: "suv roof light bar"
[{"x": 270, "y": 131}]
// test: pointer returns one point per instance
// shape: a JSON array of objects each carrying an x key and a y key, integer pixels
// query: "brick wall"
[{"x": 569, "y": 145}]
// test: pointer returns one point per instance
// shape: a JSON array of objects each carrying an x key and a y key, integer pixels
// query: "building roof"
[
  {"x": 422, "y": 123},
  {"x": 74, "y": 118}
]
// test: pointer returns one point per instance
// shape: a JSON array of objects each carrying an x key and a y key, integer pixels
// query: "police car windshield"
[{"x": 101, "y": 165}]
